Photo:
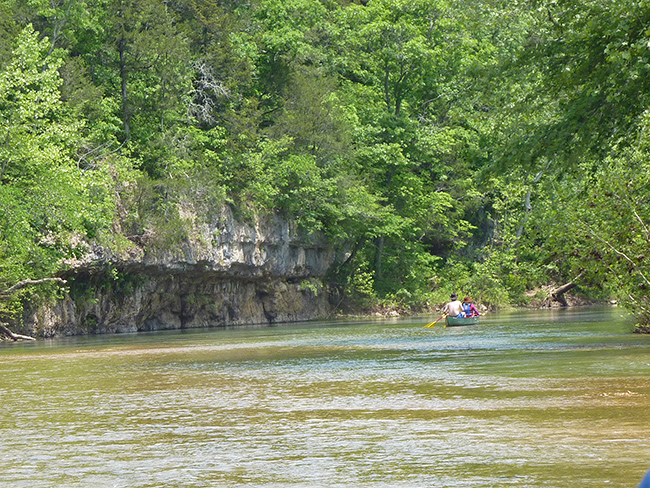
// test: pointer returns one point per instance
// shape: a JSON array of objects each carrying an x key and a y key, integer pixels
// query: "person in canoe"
[
  {"x": 454, "y": 308},
  {"x": 469, "y": 309}
]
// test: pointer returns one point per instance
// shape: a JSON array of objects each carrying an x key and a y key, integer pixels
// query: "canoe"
[{"x": 453, "y": 321}]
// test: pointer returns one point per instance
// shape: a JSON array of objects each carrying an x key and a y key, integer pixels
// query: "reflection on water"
[{"x": 544, "y": 398}]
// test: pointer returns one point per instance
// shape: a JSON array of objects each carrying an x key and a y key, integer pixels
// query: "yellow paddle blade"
[{"x": 431, "y": 324}]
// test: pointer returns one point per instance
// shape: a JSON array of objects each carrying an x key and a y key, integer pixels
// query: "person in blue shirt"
[{"x": 469, "y": 309}]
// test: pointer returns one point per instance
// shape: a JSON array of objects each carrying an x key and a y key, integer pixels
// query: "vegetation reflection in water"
[{"x": 553, "y": 399}]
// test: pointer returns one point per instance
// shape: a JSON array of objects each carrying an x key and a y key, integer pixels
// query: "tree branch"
[
  {"x": 27, "y": 282},
  {"x": 4, "y": 330},
  {"x": 627, "y": 200},
  {"x": 620, "y": 253},
  {"x": 561, "y": 290},
  {"x": 645, "y": 229},
  {"x": 557, "y": 295}
]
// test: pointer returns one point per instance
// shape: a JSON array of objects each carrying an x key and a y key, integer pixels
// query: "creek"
[{"x": 545, "y": 398}]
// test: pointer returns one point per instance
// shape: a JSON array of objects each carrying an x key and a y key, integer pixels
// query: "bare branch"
[
  {"x": 627, "y": 199},
  {"x": 645, "y": 229},
  {"x": 103, "y": 149},
  {"x": 620, "y": 253},
  {"x": 28, "y": 282},
  {"x": 4, "y": 330},
  {"x": 207, "y": 89}
]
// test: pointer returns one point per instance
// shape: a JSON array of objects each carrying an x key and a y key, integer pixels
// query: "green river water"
[{"x": 535, "y": 399}]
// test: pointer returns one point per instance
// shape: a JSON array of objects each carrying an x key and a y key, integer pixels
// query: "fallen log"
[
  {"x": 557, "y": 295},
  {"x": 5, "y": 331},
  {"x": 12, "y": 335}
]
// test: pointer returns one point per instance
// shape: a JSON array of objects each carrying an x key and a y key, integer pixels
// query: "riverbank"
[
  {"x": 540, "y": 298},
  {"x": 174, "y": 304}
]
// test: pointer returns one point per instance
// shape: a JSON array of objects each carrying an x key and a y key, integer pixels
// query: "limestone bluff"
[{"x": 226, "y": 272}]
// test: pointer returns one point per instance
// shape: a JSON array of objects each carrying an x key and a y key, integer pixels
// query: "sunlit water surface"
[{"x": 533, "y": 399}]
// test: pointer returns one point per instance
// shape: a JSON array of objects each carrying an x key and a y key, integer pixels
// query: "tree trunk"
[
  {"x": 386, "y": 87},
  {"x": 528, "y": 208},
  {"x": 4, "y": 327},
  {"x": 4, "y": 331},
  {"x": 126, "y": 116},
  {"x": 557, "y": 295},
  {"x": 378, "y": 257}
]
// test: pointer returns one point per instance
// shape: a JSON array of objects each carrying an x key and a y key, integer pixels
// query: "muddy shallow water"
[{"x": 533, "y": 399}]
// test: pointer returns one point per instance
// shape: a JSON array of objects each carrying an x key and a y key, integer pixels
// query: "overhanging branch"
[
  {"x": 617, "y": 251},
  {"x": 4, "y": 330},
  {"x": 28, "y": 282}
]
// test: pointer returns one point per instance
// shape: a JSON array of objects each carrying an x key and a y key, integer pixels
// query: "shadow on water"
[{"x": 527, "y": 399}]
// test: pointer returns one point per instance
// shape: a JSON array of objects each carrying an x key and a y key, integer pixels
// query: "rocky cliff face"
[{"x": 225, "y": 273}]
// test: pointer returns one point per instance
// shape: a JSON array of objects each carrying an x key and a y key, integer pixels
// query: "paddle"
[{"x": 434, "y": 323}]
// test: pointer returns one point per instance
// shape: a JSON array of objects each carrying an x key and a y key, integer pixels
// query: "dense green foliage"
[{"x": 486, "y": 147}]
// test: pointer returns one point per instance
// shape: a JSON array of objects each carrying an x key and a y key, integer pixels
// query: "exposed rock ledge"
[{"x": 226, "y": 273}]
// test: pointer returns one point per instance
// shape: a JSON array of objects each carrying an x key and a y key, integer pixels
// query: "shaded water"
[{"x": 535, "y": 399}]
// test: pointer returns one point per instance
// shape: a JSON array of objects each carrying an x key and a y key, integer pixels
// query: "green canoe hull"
[{"x": 454, "y": 321}]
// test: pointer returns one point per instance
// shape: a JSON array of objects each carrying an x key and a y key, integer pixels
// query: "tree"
[
  {"x": 585, "y": 66},
  {"x": 8, "y": 30},
  {"x": 314, "y": 117},
  {"x": 30, "y": 111},
  {"x": 45, "y": 199},
  {"x": 394, "y": 46},
  {"x": 598, "y": 228},
  {"x": 570, "y": 131}
]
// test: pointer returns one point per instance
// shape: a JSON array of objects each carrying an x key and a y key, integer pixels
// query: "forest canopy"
[{"x": 488, "y": 146}]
